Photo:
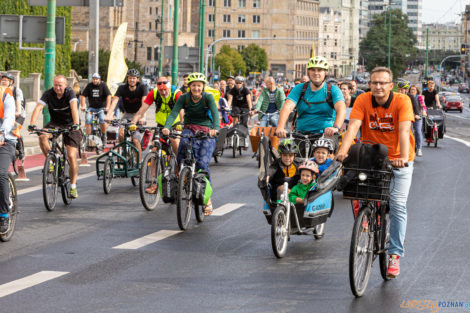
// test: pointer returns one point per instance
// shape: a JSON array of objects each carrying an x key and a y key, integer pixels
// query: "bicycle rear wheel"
[
  {"x": 385, "y": 243},
  {"x": 234, "y": 146},
  {"x": 13, "y": 197},
  {"x": 50, "y": 182},
  {"x": 65, "y": 186},
  {"x": 184, "y": 200},
  {"x": 361, "y": 252},
  {"x": 435, "y": 137},
  {"x": 107, "y": 175},
  {"x": 149, "y": 174}
]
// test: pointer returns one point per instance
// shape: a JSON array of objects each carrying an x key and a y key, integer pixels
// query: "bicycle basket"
[{"x": 367, "y": 184}]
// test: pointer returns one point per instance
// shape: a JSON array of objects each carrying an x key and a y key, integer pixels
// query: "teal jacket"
[
  {"x": 300, "y": 191},
  {"x": 263, "y": 100}
]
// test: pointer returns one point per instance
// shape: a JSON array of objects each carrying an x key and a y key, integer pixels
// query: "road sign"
[
  {"x": 78, "y": 3},
  {"x": 34, "y": 29}
]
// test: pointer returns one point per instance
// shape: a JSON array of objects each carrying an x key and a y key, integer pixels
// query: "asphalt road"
[{"x": 85, "y": 257}]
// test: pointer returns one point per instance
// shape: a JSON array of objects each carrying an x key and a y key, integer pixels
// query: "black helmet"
[
  {"x": 9, "y": 76},
  {"x": 133, "y": 72},
  {"x": 288, "y": 146}
]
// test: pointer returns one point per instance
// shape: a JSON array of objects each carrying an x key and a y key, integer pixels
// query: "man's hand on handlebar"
[
  {"x": 330, "y": 131},
  {"x": 400, "y": 163},
  {"x": 281, "y": 132},
  {"x": 31, "y": 128},
  {"x": 166, "y": 131},
  {"x": 213, "y": 132}
]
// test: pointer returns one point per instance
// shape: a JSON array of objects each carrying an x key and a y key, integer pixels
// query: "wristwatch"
[{"x": 336, "y": 126}]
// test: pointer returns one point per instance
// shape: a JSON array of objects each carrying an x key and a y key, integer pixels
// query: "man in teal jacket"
[{"x": 269, "y": 103}]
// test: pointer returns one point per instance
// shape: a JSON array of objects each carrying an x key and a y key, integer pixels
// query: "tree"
[
  {"x": 230, "y": 62},
  {"x": 374, "y": 48},
  {"x": 255, "y": 57}
]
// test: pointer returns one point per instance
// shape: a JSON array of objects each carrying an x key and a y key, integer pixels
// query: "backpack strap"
[
  {"x": 14, "y": 93},
  {"x": 304, "y": 89},
  {"x": 329, "y": 98}
]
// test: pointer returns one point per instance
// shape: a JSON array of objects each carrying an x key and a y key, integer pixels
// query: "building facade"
[
  {"x": 330, "y": 34},
  {"x": 447, "y": 37}
]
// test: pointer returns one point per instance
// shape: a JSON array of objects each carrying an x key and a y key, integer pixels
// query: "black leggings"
[{"x": 7, "y": 152}]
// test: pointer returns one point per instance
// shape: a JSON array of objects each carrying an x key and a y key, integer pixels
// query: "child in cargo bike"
[
  {"x": 323, "y": 148},
  {"x": 308, "y": 180}
]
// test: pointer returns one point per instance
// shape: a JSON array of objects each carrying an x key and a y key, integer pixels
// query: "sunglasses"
[{"x": 162, "y": 83}]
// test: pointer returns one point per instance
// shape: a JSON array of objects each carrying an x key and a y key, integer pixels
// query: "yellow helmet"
[
  {"x": 196, "y": 77},
  {"x": 318, "y": 62}
]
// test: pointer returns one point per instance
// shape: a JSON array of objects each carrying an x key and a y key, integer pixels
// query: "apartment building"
[
  {"x": 446, "y": 37},
  {"x": 330, "y": 34}
]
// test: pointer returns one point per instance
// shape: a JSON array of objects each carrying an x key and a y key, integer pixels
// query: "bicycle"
[
  {"x": 94, "y": 141},
  {"x": 237, "y": 137},
  {"x": 13, "y": 210},
  {"x": 56, "y": 170},
  {"x": 157, "y": 166},
  {"x": 19, "y": 155},
  {"x": 305, "y": 143}
]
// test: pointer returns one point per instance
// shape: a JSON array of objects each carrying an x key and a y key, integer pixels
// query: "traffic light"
[{"x": 463, "y": 48}]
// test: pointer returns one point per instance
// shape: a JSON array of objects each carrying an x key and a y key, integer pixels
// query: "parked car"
[
  {"x": 463, "y": 88},
  {"x": 453, "y": 102}
]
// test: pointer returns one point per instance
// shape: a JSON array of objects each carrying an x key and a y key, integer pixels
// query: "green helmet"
[
  {"x": 288, "y": 146},
  {"x": 196, "y": 77},
  {"x": 403, "y": 84},
  {"x": 318, "y": 62}
]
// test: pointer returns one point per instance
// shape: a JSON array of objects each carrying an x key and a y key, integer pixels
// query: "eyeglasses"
[
  {"x": 379, "y": 83},
  {"x": 162, "y": 83},
  {"x": 238, "y": 83}
]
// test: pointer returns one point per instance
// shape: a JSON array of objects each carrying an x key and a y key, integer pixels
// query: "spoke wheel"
[
  {"x": 184, "y": 200},
  {"x": 279, "y": 232},
  {"x": 319, "y": 231},
  {"x": 199, "y": 212},
  {"x": 435, "y": 138},
  {"x": 107, "y": 175},
  {"x": 65, "y": 186},
  {"x": 149, "y": 178},
  {"x": 360, "y": 253},
  {"x": 13, "y": 208},
  {"x": 234, "y": 146},
  {"x": 385, "y": 243},
  {"x": 50, "y": 182}
]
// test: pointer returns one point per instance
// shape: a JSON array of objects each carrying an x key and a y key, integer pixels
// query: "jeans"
[
  {"x": 202, "y": 148},
  {"x": 418, "y": 127},
  {"x": 7, "y": 152},
  {"x": 269, "y": 119},
  {"x": 89, "y": 116},
  {"x": 399, "y": 190}
]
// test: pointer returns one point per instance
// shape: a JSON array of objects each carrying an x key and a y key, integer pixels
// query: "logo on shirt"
[{"x": 383, "y": 124}]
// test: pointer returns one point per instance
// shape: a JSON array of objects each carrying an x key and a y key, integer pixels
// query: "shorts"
[
  {"x": 72, "y": 139},
  {"x": 127, "y": 117},
  {"x": 89, "y": 116}
]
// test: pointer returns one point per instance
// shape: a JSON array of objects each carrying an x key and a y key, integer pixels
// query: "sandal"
[
  {"x": 208, "y": 208},
  {"x": 151, "y": 189}
]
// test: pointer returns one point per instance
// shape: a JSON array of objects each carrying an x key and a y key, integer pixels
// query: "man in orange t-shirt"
[{"x": 386, "y": 118}]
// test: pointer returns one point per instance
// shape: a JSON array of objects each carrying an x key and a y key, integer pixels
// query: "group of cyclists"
[{"x": 381, "y": 116}]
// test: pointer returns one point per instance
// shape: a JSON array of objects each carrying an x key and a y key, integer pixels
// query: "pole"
[
  {"x": 93, "y": 38},
  {"x": 202, "y": 34},
  {"x": 49, "y": 57},
  {"x": 135, "y": 42},
  {"x": 427, "y": 53},
  {"x": 174, "y": 62},
  {"x": 160, "y": 58},
  {"x": 213, "y": 39},
  {"x": 389, "y": 31}
]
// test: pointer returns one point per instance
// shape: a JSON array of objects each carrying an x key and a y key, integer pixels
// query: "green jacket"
[
  {"x": 300, "y": 191},
  {"x": 263, "y": 100}
]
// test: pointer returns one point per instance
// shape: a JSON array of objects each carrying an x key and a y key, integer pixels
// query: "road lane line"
[
  {"x": 31, "y": 189},
  {"x": 147, "y": 240},
  {"x": 459, "y": 140},
  {"x": 28, "y": 281},
  {"x": 227, "y": 208}
]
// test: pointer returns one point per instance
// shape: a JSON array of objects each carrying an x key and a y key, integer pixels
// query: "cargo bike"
[{"x": 434, "y": 126}]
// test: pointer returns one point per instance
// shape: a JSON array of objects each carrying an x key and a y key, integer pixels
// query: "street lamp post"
[
  {"x": 160, "y": 57},
  {"x": 135, "y": 41}
]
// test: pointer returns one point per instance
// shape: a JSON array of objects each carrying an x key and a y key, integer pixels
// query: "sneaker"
[
  {"x": 4, "y": 224},
  {"x": 152, "y": 189},
  {"x": 393, "y": 266},
  {"x": 419, "y": 153},
  {"x": 73, "y": 193}
]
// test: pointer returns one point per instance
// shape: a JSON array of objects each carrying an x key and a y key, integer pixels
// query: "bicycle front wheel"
[
  {"x": 279, "y": 232},
  {"x": 13, "y": 208},
  {"x": 361, "y": 252},
  {"x": 50, "y": 182},
  {"x": 385, "y": 243},
  {"x": 184, "y": 200},
  {"x": 65, "y": 186},
  {"x": 149, "y": 183},
  {"x": 435, "y": 137},
  {"x": 107, "y": 175},
  {"x": 234, "y": 146}
]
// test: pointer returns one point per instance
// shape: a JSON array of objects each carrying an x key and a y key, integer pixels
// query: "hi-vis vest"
[
  {"x": 15, "y": 130},
  {"x": 162, "y": 109}
]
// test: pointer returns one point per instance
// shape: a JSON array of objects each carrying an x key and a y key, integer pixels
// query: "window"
[
  {"x": 150, "y": 25},
  {"x": 255, "y": 34},
  {"x": 226, "y": 33},
  {"x": 227, "y": 18},
  {"x": 150, "y": 10},
  {"x": 211, "y": 17},
  {"x": 256, "y": 19},
  {"x": 256, "y": 4},
  {"x": 227, "y": 3},
  {"x": 324, "y": 42},
  {"x": 336, "y": 29},
  {"x": 325, "y": 28},
  {"x": 155, "y": 54},
  {"x": 240, "y": 48},
  {"x": 241, "y": 34},
  {"x": 211, "y": 3},
  {"x": 242, "y": 3},
  {"x": 241, "y": 19},
  {"x": 156, "y": 10},
  {"x": 149, "y": 53},
  {"x": 210, "y": 33},
  {"x": 336, "y": 42}
]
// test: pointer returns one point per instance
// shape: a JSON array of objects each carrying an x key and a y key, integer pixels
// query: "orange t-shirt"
[{"x": 380, "y": 125}]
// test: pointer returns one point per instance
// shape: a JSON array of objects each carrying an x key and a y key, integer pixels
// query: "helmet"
[
  {"x": 324, "y": 143},
  {"x": 288, "y": 146},
  {"x": 196, "y": 77},
  {"x": 239, "y": 79},
  {"x": 309, "y": 165},
  {"x": 403, "y": 84},
  {"x": 9, "y": 76},
  {"x": 133, "y": 72},
  {"x": 318, "y": 62}
]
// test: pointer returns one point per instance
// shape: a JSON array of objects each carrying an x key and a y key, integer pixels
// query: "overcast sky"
[{"x": 439, "y": 11}]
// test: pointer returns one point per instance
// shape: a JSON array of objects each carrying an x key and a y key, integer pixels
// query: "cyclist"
[
  {"x": 239, "y": 99},
  {"x": 404, "y": 88},
  {"x": 431, "y": 96},
  {"x": 200, "y": 114},
  {"x": 99, "y": 100},
  {"x": 8, "y": 135},
  {"x": 63, "y": 108},
  {"x": 270, "y": 101},
  {"x": 184, "y": 87},
  {"x": 320, "y": 109},
  {"x": 230, "y": 86},
  {"x": 386, "y": 118},
  {"x": 165, "y": 97},
  {"x": 418, "y": 124},
  {"x": 355, "y": 92},
  {"x": 133, "y": 94}
]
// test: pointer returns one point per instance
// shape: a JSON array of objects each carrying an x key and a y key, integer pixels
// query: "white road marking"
[
  {"x": 28, "y": 281},
  {"x": 147, "y": 240},
  {"x": 459, "y": 140},
  {"x": 227, "y": 208},
  {"x": 31, "y": 189}
]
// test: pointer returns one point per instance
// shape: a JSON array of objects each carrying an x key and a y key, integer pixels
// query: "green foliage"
[
  {"x": 12, "y": 58},
  {"x": 374, "y": 48},
  {"x": 230, "y": 61},
  {"x": 255, "y": 57}
]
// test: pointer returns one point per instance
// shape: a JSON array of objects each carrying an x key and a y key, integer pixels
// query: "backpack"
[
  {"x": 168, "y": 185},
  {"x": 23, "y": 103},
  {"x": 202, "y": 189},
  {"x": 328, "y": 99}
]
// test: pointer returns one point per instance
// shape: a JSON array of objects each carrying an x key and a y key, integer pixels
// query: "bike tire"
[
  {"x": 199, "y": 212},
  {"x": 107, "y": 175},
  {"x": 13, "y": 196},
  {"x": 319, "y": 231},
  {"x": 435, "y": 138},
  {"x": 234, "y": 147},
  {"x": 149, "y": 200},
  {"x": 279, "y": 232},
  {"x": 384, "y": 243},
  {"x": 50, "y": 182},
  {"x": 15, "y": 167},
  {"x": 360, "y": 256},
  {"x": 65, "y": 186},
  {"x": 184, "y": 201}
]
